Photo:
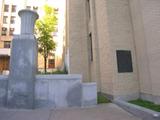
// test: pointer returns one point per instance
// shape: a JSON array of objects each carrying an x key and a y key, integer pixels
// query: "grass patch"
[
  {"x": 102, "y": 99},
  {"x": 146, "y": 104},
  {"x": 53, "y": 72},
  {"x": 59, "y": 72}
]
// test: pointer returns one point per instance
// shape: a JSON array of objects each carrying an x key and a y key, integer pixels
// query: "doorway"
[{"x": 4, "y": 63}]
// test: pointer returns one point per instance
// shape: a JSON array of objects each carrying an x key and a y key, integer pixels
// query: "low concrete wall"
[
  {"x": 3, "y": 90},
  {"x": 89, "y": 94},
  {"x": 58, "y": 91}
]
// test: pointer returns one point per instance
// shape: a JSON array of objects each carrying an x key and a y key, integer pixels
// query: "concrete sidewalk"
[{"x": 100, "y": 112}]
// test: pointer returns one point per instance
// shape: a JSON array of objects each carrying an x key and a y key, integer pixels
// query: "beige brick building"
[{"x": 116, "y": 43}]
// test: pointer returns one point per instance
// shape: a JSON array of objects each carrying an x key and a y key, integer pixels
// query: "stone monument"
[
  {"x": 23, "y": 65},
  {"x": 23, "y": 88}
]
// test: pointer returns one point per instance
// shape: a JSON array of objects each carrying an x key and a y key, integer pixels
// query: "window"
[
  {"x": 12, "y": 19},
  {"x": 28, "y": 7},
  {"x": 13, "y": 8},
  {"x": 51, "y": 63},
  {"x": 7, "y": 44},
  {"x": 11, "y": 31},
  {"x": 5, "y": 19},
  {"x": 124, "y": 61},
  {"x": 35, "y": 8},
  {"x": 91, "y": 47},
  {"x": 56, "y": 10},
  {"x": 6, "y": 8},
  {"x": 89, "y": 9},
  {"x": 4, "y": 31}
]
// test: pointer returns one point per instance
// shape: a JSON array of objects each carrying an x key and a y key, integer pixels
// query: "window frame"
[
  {"x": 51, "y": 63},
  {"x": 7, "y": 44},
  {"x": 6, "y": 8},
  {"x": 5, "y": 19},
  {"x": 124, "y": 61},
  {"x": 11, "y": 31},
  {"x": 91, "y": 46},
  {"x": 4, "y": 31},
  {"x": 13, "y": 9},
  {"x": 28, "y": 7},
  {"x": 35, "y": 8},
  {"x": 13, "y": 20}
]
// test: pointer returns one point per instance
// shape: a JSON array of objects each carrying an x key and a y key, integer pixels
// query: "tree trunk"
[{"x": 45, "y": 65}]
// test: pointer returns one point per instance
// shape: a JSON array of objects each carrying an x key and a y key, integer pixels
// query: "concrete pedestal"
[
  {"x": 23, "y": 65},
  {"x": 22, "y": 72}
]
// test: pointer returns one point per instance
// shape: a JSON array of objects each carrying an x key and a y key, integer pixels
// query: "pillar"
[{"x": 23, "y": 64}]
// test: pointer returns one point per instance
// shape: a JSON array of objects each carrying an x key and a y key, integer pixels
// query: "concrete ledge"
[
  {"x": 89, "y": 94},
  {"x": 59, "y": 77},
  {"x": 138, "y": 111},
  {"x": 128, "y": 97}
]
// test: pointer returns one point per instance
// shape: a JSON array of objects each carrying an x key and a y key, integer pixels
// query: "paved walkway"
[{"x": 100, "y": 112}]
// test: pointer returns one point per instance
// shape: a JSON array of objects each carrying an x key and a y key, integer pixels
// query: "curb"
[{"x": 138, "y": 111}]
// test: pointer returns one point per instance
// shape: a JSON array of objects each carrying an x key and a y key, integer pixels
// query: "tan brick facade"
[
  {"x": 147, "y": 38},
  {"x": 131, "y": 25},
  {"x": 78, "y": 49}
]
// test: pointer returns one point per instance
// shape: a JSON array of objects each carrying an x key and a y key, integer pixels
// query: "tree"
[{"x": 44, "y": 29}]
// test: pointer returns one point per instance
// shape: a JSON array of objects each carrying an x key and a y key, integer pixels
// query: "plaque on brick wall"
[{"x": 124, "y": 61}]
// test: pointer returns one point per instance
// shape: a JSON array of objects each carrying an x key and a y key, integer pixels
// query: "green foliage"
[
  {"x": 54, "y": 72},
  {"x": 59, "y": 72},
  {"x": 44, "y": 29},
  {"x": 102, "y": 99},
  {"x": 146, "y": 104}
]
